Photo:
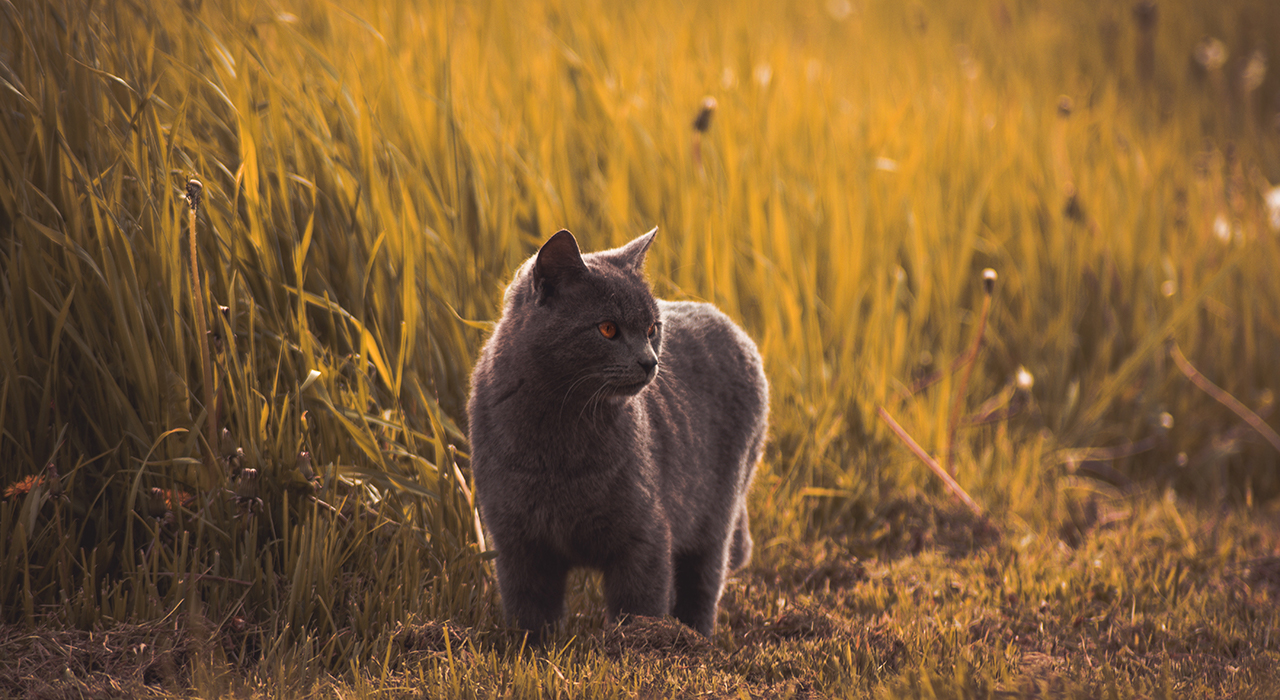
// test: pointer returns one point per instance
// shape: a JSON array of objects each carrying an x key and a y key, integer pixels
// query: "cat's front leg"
[
  {"x": 531, "y": 581},
  {"x": 699, "y": 580},
  {"x": 639, "y": 583}
]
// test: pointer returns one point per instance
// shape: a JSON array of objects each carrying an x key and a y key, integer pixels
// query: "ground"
[{"x": 1155, "y": 599}]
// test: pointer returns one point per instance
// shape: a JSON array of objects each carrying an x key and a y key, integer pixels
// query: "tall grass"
[
  {"x": 319, "y": 252},
  {"x": 373, "y": 171}
]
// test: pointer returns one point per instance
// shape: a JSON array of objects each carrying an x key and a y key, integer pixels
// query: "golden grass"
[{"x": 373, "y": 171}]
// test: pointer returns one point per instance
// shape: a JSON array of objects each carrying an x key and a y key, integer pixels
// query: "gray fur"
[{"x": 586, "y": 454}]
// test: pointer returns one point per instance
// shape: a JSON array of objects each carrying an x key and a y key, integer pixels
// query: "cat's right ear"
[{"x": 559, "y": 261}]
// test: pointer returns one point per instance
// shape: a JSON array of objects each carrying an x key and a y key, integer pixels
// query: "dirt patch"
[
  {"x": 991, "y": 629},
  {"x": 1264, "y": 573},
  {"x": 806, "y": 623},
  {"x": 653, "y": 635},
  {"x": 122, "y": 661},
  {"x": 434, "y": 637},
  {"x": 820, "y": 569},
  {"x": 1085, "y": 516},
  {"x": 1039, "y": 665},
  {"x": 415, "y": 642},
  {"x": 914, "y": 523},
  {"x": 834, "y": 574}
]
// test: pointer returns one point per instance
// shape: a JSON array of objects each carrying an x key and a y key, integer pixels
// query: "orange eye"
[
  {"x": 653, "y": 330},
  {"x": 608, "y": 329}
]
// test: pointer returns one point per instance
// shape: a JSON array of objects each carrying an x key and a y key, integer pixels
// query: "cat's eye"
[
  {"x": 653, "y": 330},
  {"x": 608, "y": 329}
]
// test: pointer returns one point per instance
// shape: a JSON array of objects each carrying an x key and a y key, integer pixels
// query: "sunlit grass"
[{"x": 374, "y": 171}]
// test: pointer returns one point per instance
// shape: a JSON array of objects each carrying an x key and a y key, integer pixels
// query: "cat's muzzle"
[{"x": 642, "y": 379}]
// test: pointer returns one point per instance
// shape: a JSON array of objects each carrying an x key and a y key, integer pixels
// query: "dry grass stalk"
[
  {"x": 1223, "y": 397},
  {"x": 1146, "y": 13},
  {"x": 194, "y": 190},
  {"x": 988, "y": 289},
  {"x": 952, "y": 485}
]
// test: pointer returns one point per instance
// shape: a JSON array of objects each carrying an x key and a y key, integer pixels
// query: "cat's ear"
[
  {"x": 631, "y": 255},
  {"x": 558, "y": 260}
]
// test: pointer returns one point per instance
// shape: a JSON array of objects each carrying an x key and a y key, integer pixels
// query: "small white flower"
[
  {"x": 1272, "y": 200},
  {"x": 1024, "y": 379},
  {"x": 812, "y": 70},
  {"x": 1222, "y": 228},
  {"x": 1211, "y": 53},
  {"x": 1255, "y": 71},
  {"x": 839, "y": 9},
  {"x": 728, "y": 79},
  {"x": 764, "y": 75},
  {"x": 888, "y": 165}
]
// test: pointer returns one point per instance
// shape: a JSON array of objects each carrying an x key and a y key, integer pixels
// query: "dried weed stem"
[
  {"x": 1223, "y": 397},
  {"x": 988, "y": 287},
  {"x": 951, "y": 484},
  {"x": 194, "y": 189}
]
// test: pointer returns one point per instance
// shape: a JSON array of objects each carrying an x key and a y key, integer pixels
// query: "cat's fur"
[{"x": 630, "y": 455}]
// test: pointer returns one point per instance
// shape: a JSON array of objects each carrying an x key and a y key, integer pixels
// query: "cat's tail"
[{"x": 740, "y": 548}]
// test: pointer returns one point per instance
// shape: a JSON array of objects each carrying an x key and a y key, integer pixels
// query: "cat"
[{"x": 614, "y": 431}]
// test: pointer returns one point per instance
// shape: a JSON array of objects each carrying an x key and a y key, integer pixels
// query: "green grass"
[{"x": 372, "y": 174}]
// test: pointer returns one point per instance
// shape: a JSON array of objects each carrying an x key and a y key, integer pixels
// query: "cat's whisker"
[
  {"x": 597, "y": 398},
  {"x": 581, "y": 377},
  {"x": 593, "y": 402}
]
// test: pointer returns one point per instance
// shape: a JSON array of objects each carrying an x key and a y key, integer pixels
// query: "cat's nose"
[{"x": 648, "y": 364}]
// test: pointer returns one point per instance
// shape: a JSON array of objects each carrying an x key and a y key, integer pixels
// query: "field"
[{"x": 232, "y": 426}]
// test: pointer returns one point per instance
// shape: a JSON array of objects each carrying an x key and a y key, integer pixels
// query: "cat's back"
[
  {"x": 698, "y": 326},
  {"x": 715, "y": 363}
]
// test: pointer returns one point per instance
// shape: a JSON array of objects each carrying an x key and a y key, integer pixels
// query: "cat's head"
[{"x": 587, "y": 321}]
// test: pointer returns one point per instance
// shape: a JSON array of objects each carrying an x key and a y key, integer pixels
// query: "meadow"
[{"x": 232, "y": 415}]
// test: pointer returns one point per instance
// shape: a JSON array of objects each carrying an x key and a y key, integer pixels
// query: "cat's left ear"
[
  {"x": 558, "y": 261},
  {"x": 631, "y": 255}
]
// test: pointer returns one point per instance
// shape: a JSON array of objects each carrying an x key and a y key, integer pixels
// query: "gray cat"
[{"x": 614, "y": 431}]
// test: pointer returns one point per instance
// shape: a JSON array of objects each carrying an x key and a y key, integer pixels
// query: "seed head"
[
  {"x": 1025, "y": 379},
  {"x": 1255, "y": 71},
  {"x": 1211, "y": 53},
  {"x": 55, "y": 484},
  {"x": 246, "y": 484},
  {"x": 304, "y": 466},
  {"x": 157, "y": 503},
  {"x": 1145, "y": 14},
  {"x": 226, "y": 444},
  {"x": 194, "y": 188},
  {"x": 703, "y": 121}
]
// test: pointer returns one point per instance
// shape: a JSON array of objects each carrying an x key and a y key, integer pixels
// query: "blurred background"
[{"x": 286, "y": 449}]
